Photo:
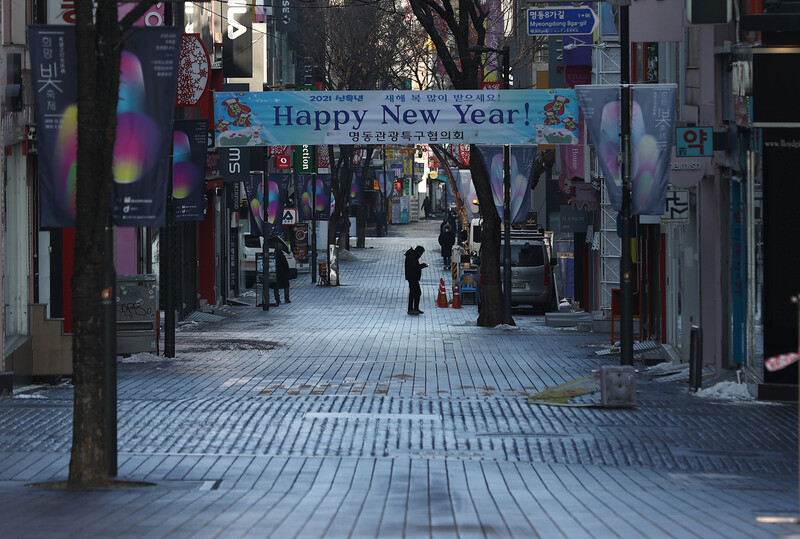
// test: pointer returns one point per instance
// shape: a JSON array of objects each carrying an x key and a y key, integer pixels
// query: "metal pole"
[
  {"x": 265, "y": 245},
  {"x": 168, "y": 259},
  {"x": 506, "y": 209},
  {"x": 626, "y": 262},
  {"x": 110, "y": 346},
  {"x": 314, "y": 227}
]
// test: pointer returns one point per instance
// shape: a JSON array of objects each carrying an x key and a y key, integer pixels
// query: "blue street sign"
[{"x": 560, "y": 21}]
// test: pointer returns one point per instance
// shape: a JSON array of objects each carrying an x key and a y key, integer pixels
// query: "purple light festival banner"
[
  {"x": 54, "y": 65},
  {"x": 188, "y": 168},
  {"x": 652, "y": 128},
  {"x": 521, "y": 175},
  {"x": 148, "y": 80}
]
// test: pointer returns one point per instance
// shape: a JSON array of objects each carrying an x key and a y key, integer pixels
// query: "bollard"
[{"x": 696, "y": 359}]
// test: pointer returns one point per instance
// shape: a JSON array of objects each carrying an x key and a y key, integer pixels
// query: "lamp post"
[
  {"x": 506, "y": 190},
  {"x": 626, "y": 263}
]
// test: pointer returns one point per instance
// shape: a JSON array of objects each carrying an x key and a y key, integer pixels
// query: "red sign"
[
  {"x": 323, "y": 160},
  {"x": 463, "y": 153},
  {"x": 283, "y": 162},
  {"x": 194, "y": 71},
  {"x": 277, "y": 150},
  {"x": 492, "y": 85}
]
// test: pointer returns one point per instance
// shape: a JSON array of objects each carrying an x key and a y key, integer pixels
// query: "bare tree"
[
  {"x": 99, "y": 39},
  {"x": 453, "y": 27},
  {"x": 359, "y": 47}
]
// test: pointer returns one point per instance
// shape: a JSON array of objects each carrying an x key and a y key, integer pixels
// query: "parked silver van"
[{"x": 532, "y": 274}]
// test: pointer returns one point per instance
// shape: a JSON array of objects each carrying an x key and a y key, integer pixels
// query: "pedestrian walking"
[
  {"x": 426, "y": 207},
  {"x": 413, "y": 275},
  {"x": 447, "y": 238},
  {"x": 281, "y": 276},
  {"x": 380, "y": 223}
]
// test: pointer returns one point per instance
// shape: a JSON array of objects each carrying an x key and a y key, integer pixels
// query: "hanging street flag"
[
  {"x": 322, "y": 205},
  {"x": 652, "y": 122},
  {"x": 277, "y": 192},
  {"x": 396, "y": 117},
  {"x": 194, "y": 71},
  {"x": 385, "y": 181},
  {"x": 521, "y": 176},
  {"x": 55, "y": 89},
  {"x": 254, "y": 189},
  {"x": 148, "y": 72},
  {"x": 323, "y": 159},
  {"x": 188, "y": 168},
  {"x": 355, "y": 187}
]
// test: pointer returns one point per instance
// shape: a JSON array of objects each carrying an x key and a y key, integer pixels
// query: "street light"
[
  {"x": 572, "y": 46},
  {"x": 506, "y": 190}
]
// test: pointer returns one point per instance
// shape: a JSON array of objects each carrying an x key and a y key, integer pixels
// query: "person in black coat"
[
  {"x": 281, "y": 277},
  {"x": 447, "y": 238},
  {"x": 413, "y": 275}
]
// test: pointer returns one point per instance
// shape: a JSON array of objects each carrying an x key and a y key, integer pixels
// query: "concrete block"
[{"x": 617, "y": 386}]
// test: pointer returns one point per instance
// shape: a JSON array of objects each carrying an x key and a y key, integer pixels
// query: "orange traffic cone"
[
  {"x": 441, "y": 301},
  {"x": 456, "y": 297}
]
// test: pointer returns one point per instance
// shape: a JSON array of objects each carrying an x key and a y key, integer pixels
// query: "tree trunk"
[
  {"x": 99, "y": 49},
  {"x": 491, "y": 294}
]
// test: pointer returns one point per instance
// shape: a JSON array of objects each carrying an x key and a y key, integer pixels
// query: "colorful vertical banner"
[
  {"x": 148, "y": 82},
  {"x": 277, "y": 191},
  {"x": 254, "y": 189},
  {"x": 355, "y": 187},
  {"x": 652, "y": 129},
  {"x": 188, "y": 168},
  {"x": 385, "y": 180},
  {"x": 55, "y": 89},
  {"x": 322, "y": 204},
  {"x": 521, "y": 176}
]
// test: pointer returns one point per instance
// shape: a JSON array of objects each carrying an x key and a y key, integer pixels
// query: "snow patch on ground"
[
  {"x": 347, "y": 255},
  {"x": 145, "y": 357},
  {"x": 506, "y": 326},
  {"x": 726, "y": 390}
]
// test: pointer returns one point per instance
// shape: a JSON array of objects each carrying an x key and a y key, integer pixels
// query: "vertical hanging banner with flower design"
[
  {"x": 144, "y": 123},
  {"x": 188, "y": 168},
  {"x": 148, "y": 82},
  {"x": 322, "y": 204},
  {"x": 194, "y": 71},
  {"x": 55, "y": 89},
  {"x": 254, "y": 189},
  {"x": 355, "y": 187},
  {"x": 277, "y": 191},
  {"x": 521, "y": 176},
  {"x": 652, "y": 130}
]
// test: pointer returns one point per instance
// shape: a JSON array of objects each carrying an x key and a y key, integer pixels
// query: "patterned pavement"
[{"x": 339, "y": 415}]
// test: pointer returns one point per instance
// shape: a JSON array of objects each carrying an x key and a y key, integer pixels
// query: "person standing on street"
[
  {"x": 447, "y": 238},
  {"x": 413, "y": 275},
  {"x": 426, "y": 207},
  {"x": 281, "y": 276}
]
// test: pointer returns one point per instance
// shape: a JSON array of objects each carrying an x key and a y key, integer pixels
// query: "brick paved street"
[{"x": 338, "y": 415}]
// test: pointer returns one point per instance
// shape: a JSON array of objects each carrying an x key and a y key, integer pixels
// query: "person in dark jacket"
[
  {"x": 447, "y": 238},
  {"x": 281, "y": 277},
  {"x": 413, "y": 275},
  {"x": 426, "y": 207}
]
